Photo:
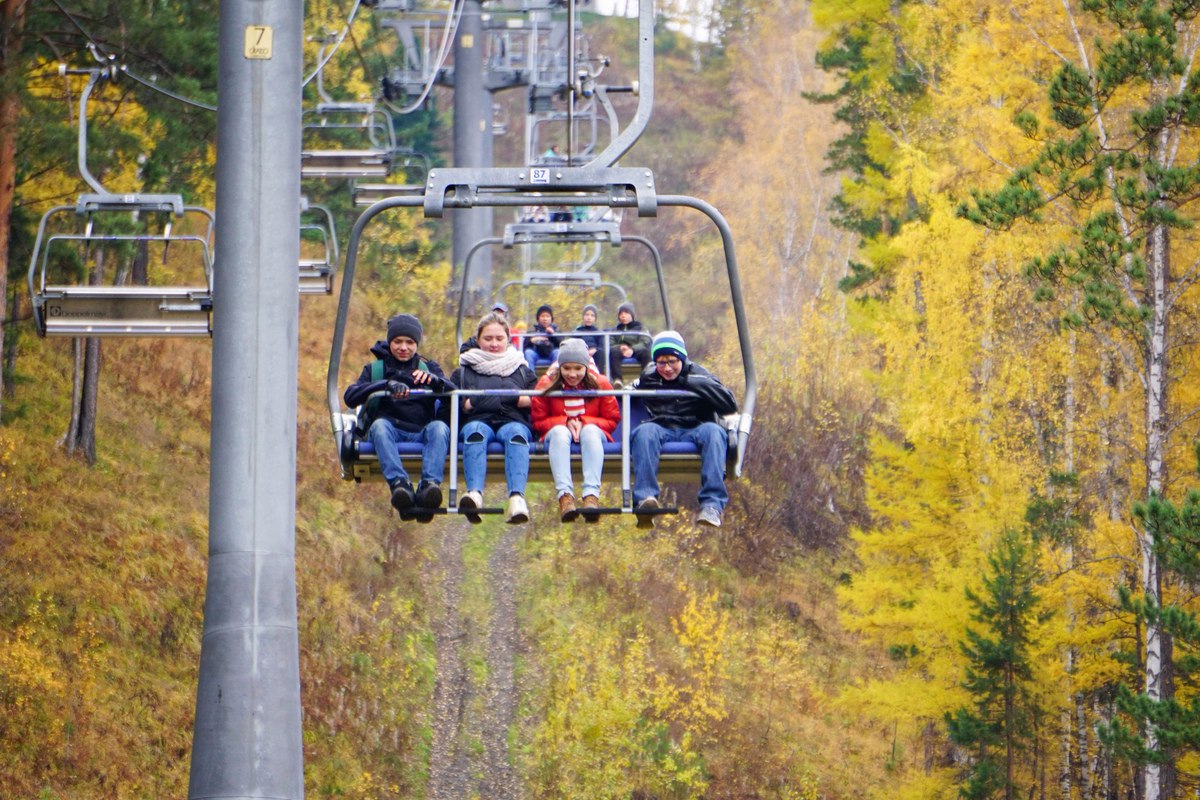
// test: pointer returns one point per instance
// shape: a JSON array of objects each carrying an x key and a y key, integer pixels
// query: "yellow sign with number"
[{"x": 258, "y": 41}]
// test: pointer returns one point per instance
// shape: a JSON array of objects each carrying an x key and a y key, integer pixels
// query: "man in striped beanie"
[{"x": 689, "y": 418}]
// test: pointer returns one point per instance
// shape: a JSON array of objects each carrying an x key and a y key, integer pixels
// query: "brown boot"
[
  {"x": 591, "y": 502},
  {"x": 566, "y": 508}
]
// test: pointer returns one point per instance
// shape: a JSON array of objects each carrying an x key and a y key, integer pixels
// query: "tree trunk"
[
  {"x": 12, "y": 27},
  {"x": 81, "y": 434},
  {"x": 1156, "y": 666},
  {"x": 10, "y": 344}
]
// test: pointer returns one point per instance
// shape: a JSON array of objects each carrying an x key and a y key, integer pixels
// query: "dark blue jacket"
[
  {"x": 411, "y": 414},
  {"x": 593, "y": 342}
]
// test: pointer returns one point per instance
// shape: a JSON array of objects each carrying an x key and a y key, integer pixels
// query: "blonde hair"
[{"x": 492, "y": 318}]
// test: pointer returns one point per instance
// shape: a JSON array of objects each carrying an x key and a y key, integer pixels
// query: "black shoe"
[
  {"x": 403, "y": 496},
  {"x": 429, "y": 495}
]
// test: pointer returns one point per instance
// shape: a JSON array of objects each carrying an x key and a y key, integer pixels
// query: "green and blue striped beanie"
[{"x": 668, "y": 343}]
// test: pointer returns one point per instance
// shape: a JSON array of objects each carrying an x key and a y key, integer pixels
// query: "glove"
[{"x": 396, "y": 388}]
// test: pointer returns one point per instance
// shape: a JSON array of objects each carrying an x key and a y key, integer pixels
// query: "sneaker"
[
  {"x": 710, "y": 516},
  {"x": 646, "y": 520},
  {"x": 429, "y": 495},
  {"x": 518, "y": 511},
  {"x": 402, "y": 496},
  {"x": 567, "y": 511},
  {"x": 471, "y": 502},
  {"x": 591, "y": 503}
]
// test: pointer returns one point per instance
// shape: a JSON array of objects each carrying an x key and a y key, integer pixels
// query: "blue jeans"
[
  {"x": 515, "y": 437},
  {"x": 531, "y": 357},
  {"x": 646, "y": 446},
  {"x": 591, "y": 449},
  {"x": 435, "y": 437}
]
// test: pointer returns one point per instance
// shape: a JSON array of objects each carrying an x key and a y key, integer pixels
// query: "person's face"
[
  {"x": 545, "y": 318},
  {"x": 589, "y": 317},
  {"x": 668, "y": 367},
  {"x": 625, "y": 317},
  {"x": 572, "y": 374},
  {"x": 493, "y": 338},
  {"x": 403, "y": 348}
]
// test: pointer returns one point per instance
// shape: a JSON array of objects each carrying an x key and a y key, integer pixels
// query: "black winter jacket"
[
  {"x": 495, "y": 411},
  {"x": 411, "y": 414},
  {"x": 710, "y": 397}
]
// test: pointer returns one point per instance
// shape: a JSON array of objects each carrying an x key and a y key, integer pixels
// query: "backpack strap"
[{"x": 370, "y": 408}]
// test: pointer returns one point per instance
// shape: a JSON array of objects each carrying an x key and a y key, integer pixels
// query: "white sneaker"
[
  {"x": 710, "y": 516},
  {"x": 645, "y": 521},
  {"x": 469, "y": 503},
  {"x": 518, "y": 511}
]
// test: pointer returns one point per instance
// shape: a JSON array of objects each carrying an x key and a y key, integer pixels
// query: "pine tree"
[{"x": 996, "y": 727}]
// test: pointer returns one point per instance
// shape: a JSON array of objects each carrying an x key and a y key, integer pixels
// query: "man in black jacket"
[
  {"x": 396, "y": 417},
  {"x": 681, "y": 419}
]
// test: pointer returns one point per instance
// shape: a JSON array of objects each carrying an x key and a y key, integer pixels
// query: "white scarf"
[{"x": 486, "y": 363}]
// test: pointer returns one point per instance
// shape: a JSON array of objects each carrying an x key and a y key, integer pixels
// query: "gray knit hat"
[
  {"x": 404, "y": 325},
  {"x": 573, "y": 351},
  {"x": 591, "y": 307},
  {"x": 626, "y": 307}
]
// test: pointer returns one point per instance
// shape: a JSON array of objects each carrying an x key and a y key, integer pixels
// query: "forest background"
[{"x": 963, "y": 561}]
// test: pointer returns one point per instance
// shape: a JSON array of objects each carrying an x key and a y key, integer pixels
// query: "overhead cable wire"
[
  {"x": 103, "y": 56},
  {"x": 341, "y": 37},
  {"x": 168, "y": 93},
  {"x": 452, "y": 20}
]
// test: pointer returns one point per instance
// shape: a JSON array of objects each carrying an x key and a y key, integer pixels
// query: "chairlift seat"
[
  {"x": 679, "y": 462},
  {"x": 126, "y": 311},
  {"x": 345, "y": 163},
  {"x": 316, "y": 276}
]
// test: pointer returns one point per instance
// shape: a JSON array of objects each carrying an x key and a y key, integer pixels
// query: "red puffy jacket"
[{"x": 603, "y": 412}]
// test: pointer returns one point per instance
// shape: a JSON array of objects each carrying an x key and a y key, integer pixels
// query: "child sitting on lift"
[{"x": 586, "y": 421}]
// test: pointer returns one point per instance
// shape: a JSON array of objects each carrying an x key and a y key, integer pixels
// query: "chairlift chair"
[
  {"x": 456, "y": 188},
  {"x": 598, "y": 183},
  {"x": 162, "y": 227},
  {"x": 316, "y": 271}
]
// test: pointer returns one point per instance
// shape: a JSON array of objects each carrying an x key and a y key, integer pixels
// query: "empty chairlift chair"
[
  {"x": 319, "y": 248},
  {"x": 138, "y": 251}
]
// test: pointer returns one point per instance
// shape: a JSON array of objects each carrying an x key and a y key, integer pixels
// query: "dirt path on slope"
[
  {"x": 469, "y": 755},
  {"x": 449, "y": 770},
  {"x": 499, "y": 779}
]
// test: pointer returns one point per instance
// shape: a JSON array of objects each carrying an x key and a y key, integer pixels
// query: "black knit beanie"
[{"x": 404, "y": 325}]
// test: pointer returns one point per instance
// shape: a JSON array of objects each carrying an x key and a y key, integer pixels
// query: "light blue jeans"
[
  {"x": 435, "y": 438},
  {"x": 646, "y": 446},
  {"x": 591, "y": 448},
  {"x": 515, "y": 436},
  {"x": 531, "y": 358}
]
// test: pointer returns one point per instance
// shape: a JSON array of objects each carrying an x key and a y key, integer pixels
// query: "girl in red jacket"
[{"x": 561, "y": 420}]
